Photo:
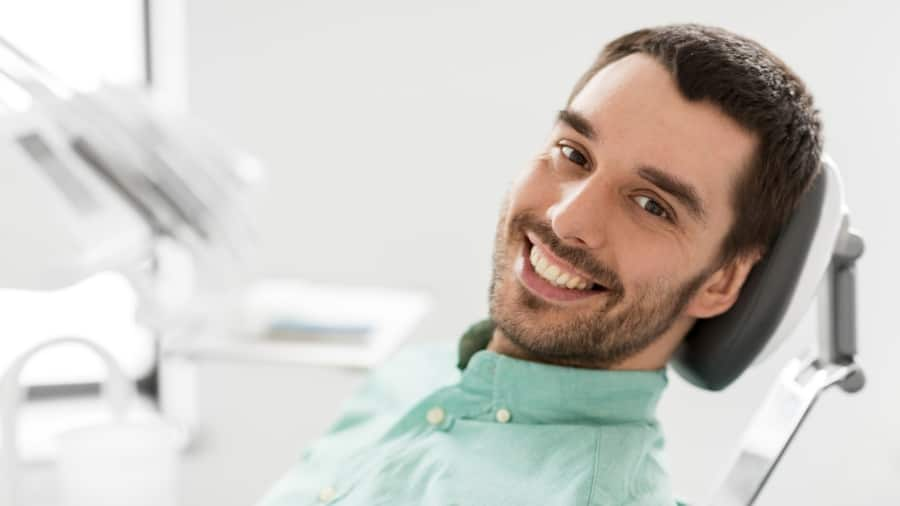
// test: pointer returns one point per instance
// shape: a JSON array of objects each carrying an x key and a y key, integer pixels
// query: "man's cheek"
[{"x": 642, "y": 267}]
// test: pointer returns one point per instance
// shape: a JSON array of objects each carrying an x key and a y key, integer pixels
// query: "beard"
[{"x": 614, "y": 330}]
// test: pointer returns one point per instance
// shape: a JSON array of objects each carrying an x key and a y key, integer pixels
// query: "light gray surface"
[
  {"x": 391, "y": 130},
  {"x": 255, "y": 421}
]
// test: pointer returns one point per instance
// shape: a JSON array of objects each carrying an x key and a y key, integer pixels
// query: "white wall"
[{"x": 392, "y": 129}]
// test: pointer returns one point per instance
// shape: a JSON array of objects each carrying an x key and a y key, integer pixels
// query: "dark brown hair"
[{"x": 756, "y": 89}]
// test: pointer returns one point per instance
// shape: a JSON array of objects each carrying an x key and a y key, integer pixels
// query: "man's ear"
[{"x": 721, "y": 290}]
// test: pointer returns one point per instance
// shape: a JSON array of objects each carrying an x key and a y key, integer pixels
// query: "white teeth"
[{"x": 554, "y": 274}]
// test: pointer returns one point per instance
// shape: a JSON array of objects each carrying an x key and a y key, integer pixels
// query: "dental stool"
[{"x": 813, "y": 258}]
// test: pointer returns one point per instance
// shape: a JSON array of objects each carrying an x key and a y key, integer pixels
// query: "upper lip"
[{"x": 547, "y": 252}]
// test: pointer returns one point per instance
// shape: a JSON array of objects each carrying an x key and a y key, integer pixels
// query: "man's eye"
[
  {"x": 653, "y": 207},
  {"x": 573, "y": 155}
]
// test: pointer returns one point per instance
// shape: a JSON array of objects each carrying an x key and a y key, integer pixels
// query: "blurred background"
[{"x": 389, "y": 132}]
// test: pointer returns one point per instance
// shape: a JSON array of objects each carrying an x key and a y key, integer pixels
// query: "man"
[{"x": 676, "y": 160}]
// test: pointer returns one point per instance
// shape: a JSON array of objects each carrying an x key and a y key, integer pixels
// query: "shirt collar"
[{"x": 543, "y": 393}]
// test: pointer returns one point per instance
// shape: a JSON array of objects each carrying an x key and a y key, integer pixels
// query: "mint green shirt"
[{"x": 503, "y": 432}]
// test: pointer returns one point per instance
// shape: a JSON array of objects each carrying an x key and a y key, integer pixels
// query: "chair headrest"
[{"x": 776, "y": 294}]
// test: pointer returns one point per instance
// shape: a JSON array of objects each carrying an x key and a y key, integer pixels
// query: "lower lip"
[{"x": 541, "y": 287}]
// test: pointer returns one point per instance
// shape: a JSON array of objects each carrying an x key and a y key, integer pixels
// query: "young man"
[{"x": 678, "y": 157}]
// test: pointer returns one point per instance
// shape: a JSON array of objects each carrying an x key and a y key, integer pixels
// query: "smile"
[{"x": 550, "y": 278}]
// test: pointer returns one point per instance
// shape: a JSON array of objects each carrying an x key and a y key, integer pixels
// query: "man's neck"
[{"x": 653, "y": 357}]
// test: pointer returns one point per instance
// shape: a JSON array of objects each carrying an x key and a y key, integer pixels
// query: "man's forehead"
[{"x": 639, "y": 117}]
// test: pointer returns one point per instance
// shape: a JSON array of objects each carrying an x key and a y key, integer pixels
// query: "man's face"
[{"x": 614, "y": 230}]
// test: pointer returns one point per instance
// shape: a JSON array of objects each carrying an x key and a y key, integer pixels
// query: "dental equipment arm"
[{"x": 100, "y": 180}]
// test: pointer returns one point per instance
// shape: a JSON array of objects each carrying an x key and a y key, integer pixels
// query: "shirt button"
[
  {"x": 503, "y": 415},
  {"x": 435, "y": 416},
  {"x": 327, "y": 494}
]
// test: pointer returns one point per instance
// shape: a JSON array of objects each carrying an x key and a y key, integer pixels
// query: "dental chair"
[{"x": 813, "y": 258}]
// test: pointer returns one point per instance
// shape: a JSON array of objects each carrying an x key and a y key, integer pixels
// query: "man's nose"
[{"x": 580, "y": 217}]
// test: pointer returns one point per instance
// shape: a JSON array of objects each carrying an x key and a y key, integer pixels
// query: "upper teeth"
[{"x": 555, "y": 274}]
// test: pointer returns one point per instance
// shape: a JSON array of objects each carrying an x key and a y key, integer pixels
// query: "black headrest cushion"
[{"x": 718, "y": 350}]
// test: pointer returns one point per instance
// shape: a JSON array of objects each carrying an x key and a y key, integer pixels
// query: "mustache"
[{"x": 579, "y": 259}]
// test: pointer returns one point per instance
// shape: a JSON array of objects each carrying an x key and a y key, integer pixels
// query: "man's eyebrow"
[
  {"x": 683, "y": 191},
  {"x": 578, "y": 123}
]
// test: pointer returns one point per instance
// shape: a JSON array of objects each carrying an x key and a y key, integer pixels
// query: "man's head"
[{"x": 679, "y": 156}]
